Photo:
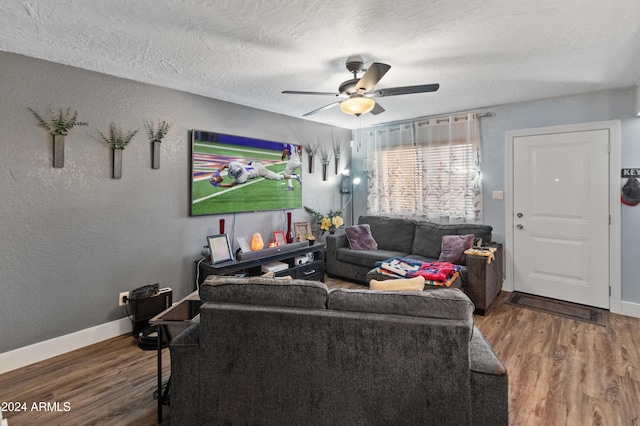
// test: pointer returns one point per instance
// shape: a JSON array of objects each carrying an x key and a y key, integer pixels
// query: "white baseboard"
[
  {"x": 630, "y": 309},
  {"x": 37, "y": 352}
]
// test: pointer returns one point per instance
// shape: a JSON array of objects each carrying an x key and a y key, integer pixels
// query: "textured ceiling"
[{"x": 483, "y": 53}]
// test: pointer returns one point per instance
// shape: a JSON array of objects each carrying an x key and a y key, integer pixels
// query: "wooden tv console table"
[{"x": 251, "y": 263}]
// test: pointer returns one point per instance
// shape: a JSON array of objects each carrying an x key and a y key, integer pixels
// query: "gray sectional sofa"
[
  {"x": 419, "y": 240},
  {"x": 285, "y": 352}
]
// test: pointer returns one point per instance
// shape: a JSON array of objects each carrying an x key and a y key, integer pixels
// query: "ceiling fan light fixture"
[
  {"x": 357, "y": 105},
  {"x": 359, "y": 91}
]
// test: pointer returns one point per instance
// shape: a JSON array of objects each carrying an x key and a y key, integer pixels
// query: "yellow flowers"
[{"x": 329, "y": 222}]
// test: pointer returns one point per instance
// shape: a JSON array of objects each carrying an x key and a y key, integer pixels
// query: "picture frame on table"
[
  {"x": 244, "y": 245},
  {"x": 302, "y": 229},
  {"x": 220, "y": 248},
  {"x": 279, "y": 238}
]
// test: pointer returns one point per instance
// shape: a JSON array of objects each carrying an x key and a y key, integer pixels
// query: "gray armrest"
[
  {"x": 482, "y": 357},
  {"x": 489, "y": 384},
  {"x": 189, "y": 337},
  {"x": 333, "y": 243}
]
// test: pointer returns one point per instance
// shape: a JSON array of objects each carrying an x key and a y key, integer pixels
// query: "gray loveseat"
[
  {"x": 292, "y": 352},
  {"x": 419, "y": 240}
]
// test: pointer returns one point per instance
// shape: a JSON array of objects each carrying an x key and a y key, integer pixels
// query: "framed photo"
[
  {"x": 244, "y": 244},
  {"x": 279, "y": 238},
  {"x": 220, "y": 248},
  {"x": 232, "y": 174},
  {"x": 302, "y": 229}
]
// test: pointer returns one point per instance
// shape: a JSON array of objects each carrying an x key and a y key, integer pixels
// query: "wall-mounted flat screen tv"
[{"x": 232, "y": 174}]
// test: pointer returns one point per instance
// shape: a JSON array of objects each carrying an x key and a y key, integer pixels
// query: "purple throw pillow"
[
  {"x": 360, "y": 237},
  {"x": 453, "y": 248}
]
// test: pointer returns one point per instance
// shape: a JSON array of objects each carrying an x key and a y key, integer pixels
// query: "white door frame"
[{"x": 615, "y": 261}]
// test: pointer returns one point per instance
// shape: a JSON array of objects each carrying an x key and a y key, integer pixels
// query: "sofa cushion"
[
  {"x": 393, "y": 234},
  {"x": 415, "y": 283},
  {"x": 366, "y": 258},
  {"x": 439, "y": 303},
  {"x": 428, "y": 239},
  {"x": 264, "y": 291},
  {"x": 453, "y": 248},
  {"x": 360, "y": 237}
]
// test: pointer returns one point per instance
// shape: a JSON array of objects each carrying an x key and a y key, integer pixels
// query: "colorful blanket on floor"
[{"x": 435, "y": 273}]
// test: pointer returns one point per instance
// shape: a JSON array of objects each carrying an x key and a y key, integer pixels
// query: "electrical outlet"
[{"x": 121, "y": 297}]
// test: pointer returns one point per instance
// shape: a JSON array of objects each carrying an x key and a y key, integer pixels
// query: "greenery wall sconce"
[
  {"x": 155, "y": 137},
  {"x": 326, "y": 160},
  {"x": 118, "y": 141},
  {"x": 58, "y": 124},
  {"x": 311, "y": 149},
  {"x": 338, "y": 150}
]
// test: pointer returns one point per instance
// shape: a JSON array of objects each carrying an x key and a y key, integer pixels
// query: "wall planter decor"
[
  {"x": 337, "y": 153},
  {"x": 116, "y": 161},
  {"x": 58, "y": 151},
  {"x": 118, "y": 141},
  {"x": 326, "y": 160},
  {"x": 58, "y": 124},
  {"x": 311, "y": 149},
  {"x": 155, "y": 137}
]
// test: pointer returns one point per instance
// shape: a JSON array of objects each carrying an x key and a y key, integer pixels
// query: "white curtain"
[{"x": 426, "y": 169}]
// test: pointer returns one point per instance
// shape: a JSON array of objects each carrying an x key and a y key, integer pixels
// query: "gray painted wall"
[
  {"x": 72, "y": 239},
  {"x": 599, "y": 106},
  {"x": 630, "y": 216}
]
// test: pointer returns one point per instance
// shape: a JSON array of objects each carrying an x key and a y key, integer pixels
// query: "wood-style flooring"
[{"x": 561, "y": 372}]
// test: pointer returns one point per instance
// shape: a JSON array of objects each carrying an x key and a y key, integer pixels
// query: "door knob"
[
  {"x": 519, "y": 215},
  {"x": 519, "y": 226}
]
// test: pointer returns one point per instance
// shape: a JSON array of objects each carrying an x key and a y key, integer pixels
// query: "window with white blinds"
[
  {"x": 430, "y": 180},
  {"x": 427, "y": 169},
  {"x": 449, "y": 174}
]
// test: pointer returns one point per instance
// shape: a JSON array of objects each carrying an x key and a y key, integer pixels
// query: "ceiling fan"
[{"x": 359, "y": 91}]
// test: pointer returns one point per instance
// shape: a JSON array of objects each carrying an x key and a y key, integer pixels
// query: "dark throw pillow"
[
  {"x": 453, "y": 247},
  {"x": 360, "y": 237}
]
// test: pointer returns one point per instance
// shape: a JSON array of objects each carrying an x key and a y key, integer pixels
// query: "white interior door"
[{"x": 561, "y": 216}]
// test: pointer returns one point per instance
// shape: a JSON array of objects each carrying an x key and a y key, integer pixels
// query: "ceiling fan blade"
[
  {"x": 370, "y": 78},
  {"x": 296, "y": 92},
  {"x": 377, "y": 109},
  {"x": 406, "y": 90},
  {"x": 331, "y": 105}
]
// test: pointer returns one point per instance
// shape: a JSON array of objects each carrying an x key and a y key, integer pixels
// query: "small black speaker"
[
  {"x": 144, "y": 292},
  {"x": 145, "y": 308}
]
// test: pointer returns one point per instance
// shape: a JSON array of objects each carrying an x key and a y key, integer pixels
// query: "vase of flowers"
[{"x": 329, "y": 222}]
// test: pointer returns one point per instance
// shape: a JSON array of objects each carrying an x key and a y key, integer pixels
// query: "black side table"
[{"x": 170, "y": 323}]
